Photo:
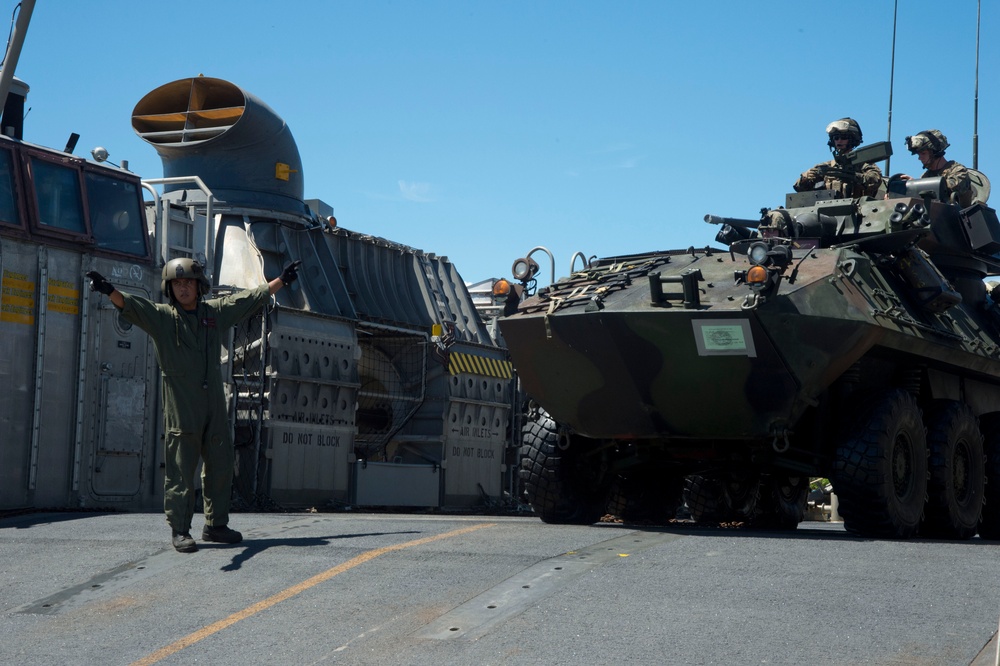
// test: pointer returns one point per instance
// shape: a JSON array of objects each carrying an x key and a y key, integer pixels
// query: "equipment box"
[
  {"x": 395, "y": 484},
  {"x": 981, "y": 227}
]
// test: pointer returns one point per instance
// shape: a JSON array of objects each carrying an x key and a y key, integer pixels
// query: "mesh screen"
[
  {"x": 249, "y": 358},
  {"x": 392, "y": 372}
]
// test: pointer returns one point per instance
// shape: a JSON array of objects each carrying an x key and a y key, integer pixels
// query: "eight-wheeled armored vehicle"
[{"x": 854, "y": 339}]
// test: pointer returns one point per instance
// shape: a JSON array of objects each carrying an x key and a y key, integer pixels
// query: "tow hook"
[
  {"x": 751, "y": 301},
  {"x": 781, "y": 443}
]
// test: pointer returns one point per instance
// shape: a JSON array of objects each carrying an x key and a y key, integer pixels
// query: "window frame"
[
  {"x": 21, "y": 227},
  {"x": 31, "y": 195},
  {"x": 140, "y": 209}
]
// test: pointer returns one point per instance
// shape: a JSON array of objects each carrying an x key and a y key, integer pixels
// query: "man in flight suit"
[{"x": 187, "y": 335}]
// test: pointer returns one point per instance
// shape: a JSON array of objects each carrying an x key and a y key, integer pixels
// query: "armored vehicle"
[{"x": 854, "y": 339}]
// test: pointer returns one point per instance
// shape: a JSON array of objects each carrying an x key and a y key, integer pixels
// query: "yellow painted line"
[{"x": 216, "y": 627}]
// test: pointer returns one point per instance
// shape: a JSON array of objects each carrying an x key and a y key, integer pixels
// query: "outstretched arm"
[
  {"x": 288, "y": 275},
  {"x": 99, "y": 283}
]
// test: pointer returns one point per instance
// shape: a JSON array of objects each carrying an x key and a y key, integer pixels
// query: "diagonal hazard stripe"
[{"x": 459, "y": 363}]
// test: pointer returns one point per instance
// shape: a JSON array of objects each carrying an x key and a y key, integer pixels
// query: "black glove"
[
  {"x": 98, "y": 283},
  {"x": 290, "y": 273}
]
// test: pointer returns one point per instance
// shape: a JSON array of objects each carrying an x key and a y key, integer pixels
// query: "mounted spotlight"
[{"x": 524, "y": 269}]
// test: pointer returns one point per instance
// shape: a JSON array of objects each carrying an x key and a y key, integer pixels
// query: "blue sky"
[{"x": 479, "y": 130}]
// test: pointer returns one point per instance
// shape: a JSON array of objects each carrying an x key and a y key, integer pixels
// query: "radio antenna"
[
  {"x": 975, "y": 105},
  {"x": 892, "y": 75}
]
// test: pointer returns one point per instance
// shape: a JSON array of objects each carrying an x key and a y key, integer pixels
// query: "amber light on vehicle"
[{"x": 757, "y": 275}]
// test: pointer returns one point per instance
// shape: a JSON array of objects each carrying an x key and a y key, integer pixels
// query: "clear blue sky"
[{"x": 478, "y": 130}]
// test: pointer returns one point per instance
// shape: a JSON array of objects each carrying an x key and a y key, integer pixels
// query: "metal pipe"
[
  {"x": 157, "y": 220},
  {"x": 572, "y": 262},
  {"x": 209, "y": 219},
  {"x": 552, "y": 260},
  {"x": 14, "y": 49}
]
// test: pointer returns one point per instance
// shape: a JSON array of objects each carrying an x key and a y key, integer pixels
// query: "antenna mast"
[
  {"x": 892, "y": 75},
  {"x": 975, "y": 105}
]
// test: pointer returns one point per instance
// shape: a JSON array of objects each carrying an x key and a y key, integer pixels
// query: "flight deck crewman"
[
  {"x": 187, "y": 335},
  {"x": 844, "y": 136}
]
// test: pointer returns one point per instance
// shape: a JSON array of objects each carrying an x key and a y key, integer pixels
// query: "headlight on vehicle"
[{"x": 758, "y": 253}]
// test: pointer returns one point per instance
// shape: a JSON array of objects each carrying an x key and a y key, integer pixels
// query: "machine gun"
[
  {"x": 848, "y": 165},
  {"x": 734, "y": 228}
]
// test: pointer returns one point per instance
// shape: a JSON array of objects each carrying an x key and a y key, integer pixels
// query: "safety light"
[
  {"x": 757, "y": 275},
  {"x": 501, "y": 287}
]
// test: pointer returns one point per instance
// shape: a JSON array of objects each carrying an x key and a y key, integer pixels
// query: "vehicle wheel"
[
  {"x": 782, "y": 502},
  {"x": 562, "y": 482},
  {"x": 703, "y": 496},
  {"x": 989, "y": 520},
  {"x": 715, "y": 498},
  {"x": 648, "y": 495},
  {"x": 742, "y": 490},
  {"x": 880, "y": 470},
  {"x": 957, "y": 475}
]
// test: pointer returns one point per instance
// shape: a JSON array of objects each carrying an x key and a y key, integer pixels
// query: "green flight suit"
[{"x": 195, "y": 418}]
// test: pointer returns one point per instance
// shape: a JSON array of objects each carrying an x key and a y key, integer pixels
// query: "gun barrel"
[{"x": 732, "y": 221}]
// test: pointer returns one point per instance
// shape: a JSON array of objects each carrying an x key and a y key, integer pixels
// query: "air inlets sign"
[{"x": 724, "y": 337}]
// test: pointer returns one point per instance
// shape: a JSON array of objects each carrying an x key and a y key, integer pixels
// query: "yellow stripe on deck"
[{"x": 290, "y": 592}]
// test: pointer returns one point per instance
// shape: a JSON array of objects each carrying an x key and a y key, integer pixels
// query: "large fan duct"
[{"x": 240, "y": 148}]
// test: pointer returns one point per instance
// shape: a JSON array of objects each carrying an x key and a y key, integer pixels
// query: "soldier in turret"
[
  {"x": 844, "y": 136},
  {"x": 929, "y": 147}
]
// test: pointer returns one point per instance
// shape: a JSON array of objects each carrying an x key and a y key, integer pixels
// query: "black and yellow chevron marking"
[{"x": 479, "y": 365}]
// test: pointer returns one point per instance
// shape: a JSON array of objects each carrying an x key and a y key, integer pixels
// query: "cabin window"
[
  {"x": 57, "y": 196},
  {"x": 116, "y": 217},
  {"x": 8, "y": 207}
]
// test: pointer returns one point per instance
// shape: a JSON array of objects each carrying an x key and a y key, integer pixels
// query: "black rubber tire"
[
  {"x": 782, "y": 502},
  {"x": 989, "y": 519},
  {"x": 742, "y": 492},
  {"x": 880, "y": 469},
  {"x": 721, "y": 497},
  {"x": 956, "y": 472},
  {"x": 562, "y": 484},
  {"x": 703, "y": 495},
  {"x": 649, "y": 495}
]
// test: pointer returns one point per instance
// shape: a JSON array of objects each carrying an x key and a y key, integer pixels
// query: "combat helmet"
[
  {"x": 847, "y": 126},
  {"x": 932, "y": 140},
  {"x": 180, "y": 268}
]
